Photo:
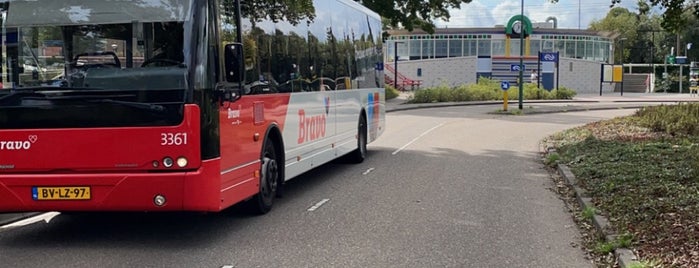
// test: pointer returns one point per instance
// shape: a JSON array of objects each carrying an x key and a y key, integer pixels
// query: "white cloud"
[
  {"x": 473, "y": 14},
  {"x": 569, "y": 13}
]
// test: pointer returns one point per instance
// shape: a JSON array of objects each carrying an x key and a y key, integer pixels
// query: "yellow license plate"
[{"x": 61, "y": 193}]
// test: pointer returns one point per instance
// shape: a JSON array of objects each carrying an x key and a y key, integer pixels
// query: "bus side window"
[{"x": 233, "y": 58}]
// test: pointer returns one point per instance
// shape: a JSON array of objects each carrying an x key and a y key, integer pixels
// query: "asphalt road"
[{"x": 444, "y": 187}]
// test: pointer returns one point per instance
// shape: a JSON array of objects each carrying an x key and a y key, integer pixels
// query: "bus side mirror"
[{"x": 233, "y": 57}]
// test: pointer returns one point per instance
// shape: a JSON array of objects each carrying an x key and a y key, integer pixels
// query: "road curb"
[
  {"x": 588, "y": 105},
  {"x": 625, "y": 257}
]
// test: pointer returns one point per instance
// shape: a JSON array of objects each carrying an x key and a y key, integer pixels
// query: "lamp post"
[
  {"x": 521, "y": 59},
  {"x": 395, "y": 61}
]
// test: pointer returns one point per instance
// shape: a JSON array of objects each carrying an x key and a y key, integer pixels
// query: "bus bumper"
[{"x": 183, "y": 191}]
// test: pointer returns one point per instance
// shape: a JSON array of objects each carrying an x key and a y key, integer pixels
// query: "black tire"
[
  {"x": 270, "y": 177},
  {"x": 358, "y": 155}
]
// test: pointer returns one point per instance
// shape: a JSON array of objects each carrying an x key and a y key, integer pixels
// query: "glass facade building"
[{"x": 471, "y": 42}]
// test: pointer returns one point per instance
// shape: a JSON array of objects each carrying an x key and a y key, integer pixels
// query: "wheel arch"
[{"x": 274, "y": 133}]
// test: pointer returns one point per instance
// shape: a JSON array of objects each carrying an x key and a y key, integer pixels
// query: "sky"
[{"x": 487, "y": 13}]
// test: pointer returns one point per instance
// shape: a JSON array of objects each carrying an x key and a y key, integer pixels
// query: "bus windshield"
[{"x": 121, "y": 56}]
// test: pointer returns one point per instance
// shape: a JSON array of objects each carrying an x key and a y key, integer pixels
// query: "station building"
[{"x": 453, "y": 56}]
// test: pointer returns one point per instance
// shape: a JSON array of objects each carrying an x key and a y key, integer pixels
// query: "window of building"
[
  {"x": 547, "y": 46},
  {"x": 570, "y": 49},
  {"x": 470, "y": 48},
  {"x": 427, "y": 49},
  {"x": 560, "y": 46},
  {"x": 580, "y": 50},
  {"x": 498, "y": 47},
  {"x": 534, "y": 47},
  {"x": 455, "y": 48},
  {"x": 403, "y": 51},
  {"x": 514, "y": 47},
  {"x": 441, "y": 48},
  {"x": 589, "y": 50},
  {"x": 484, "y": 48},
  {"x": 415, "y": 49}
]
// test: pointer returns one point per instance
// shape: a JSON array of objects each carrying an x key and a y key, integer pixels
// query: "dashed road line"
[
  {"x": 317, "y": 205},
  {"x": 417, "y": 138}
]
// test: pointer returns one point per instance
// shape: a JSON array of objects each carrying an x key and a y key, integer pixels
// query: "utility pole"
[{"x": 521, "y": 58}]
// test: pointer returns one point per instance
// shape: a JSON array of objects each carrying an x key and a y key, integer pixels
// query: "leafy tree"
[
  {"x": 409, "y": 14},
  {"x": 412, "y": 14},
  {"x": 293, "y": 11},
  {"x": 624, "y": 22},
  {"x": 672, "y": 18}
]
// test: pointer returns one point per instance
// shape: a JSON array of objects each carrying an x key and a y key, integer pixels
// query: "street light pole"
[{"x": 521, "y": 56}]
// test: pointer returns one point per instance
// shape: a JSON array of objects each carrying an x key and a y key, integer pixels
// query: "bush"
[
  {"x": 391, "y": 92},
  {"x": 682, "y": 119},
  {"x": 486, "y": 90}
]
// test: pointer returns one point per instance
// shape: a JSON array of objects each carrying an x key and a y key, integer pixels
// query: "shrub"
[
  {"x": 682, "y": 119},
  {"x": 391, "y": 92},
  {"x": 486, "y": 90}
]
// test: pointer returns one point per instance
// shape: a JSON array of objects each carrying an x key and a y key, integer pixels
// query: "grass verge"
[{"x": 642, "y": 173}]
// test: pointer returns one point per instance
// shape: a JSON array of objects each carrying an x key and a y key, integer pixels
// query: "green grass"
[
  {"x": 552, "y": 159},
  {"x": 642, "y": 171},
  {"x": 605, "y": 247},
  {"x": 588, "y": 213}
]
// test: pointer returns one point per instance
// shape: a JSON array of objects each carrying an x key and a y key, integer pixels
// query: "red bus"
[{"x": 180, "y": 105}]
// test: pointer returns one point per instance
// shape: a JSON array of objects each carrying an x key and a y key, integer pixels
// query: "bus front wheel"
[{"x": 262, "y": 202}]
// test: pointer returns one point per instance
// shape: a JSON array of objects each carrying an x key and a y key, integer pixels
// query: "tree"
[
  {"x": 673, "y": 20},
  {"x": 412, "y": 14},
  {"x": 293, "y": 11},
  {"x": 622, "y": 21},
  {"x": 409, "y": 14}
]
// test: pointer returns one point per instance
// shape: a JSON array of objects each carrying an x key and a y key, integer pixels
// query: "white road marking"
[
  {"x": 368, "y": 171},
  {"x": 418, "y": 137},
  {"x": 41, "y": 217},
  {"x": 317, "y": 205}
]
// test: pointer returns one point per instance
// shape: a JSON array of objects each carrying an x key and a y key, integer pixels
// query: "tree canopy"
[
  {"x": 672, "y": 17},
  {"x": 412, "y": 14},
  {"x": 409, "y": 14}
]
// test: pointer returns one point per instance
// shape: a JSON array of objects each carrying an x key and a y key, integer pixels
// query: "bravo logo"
[
  {"x": 312, "y": 127},
  {"x": 18, "y": 145}
]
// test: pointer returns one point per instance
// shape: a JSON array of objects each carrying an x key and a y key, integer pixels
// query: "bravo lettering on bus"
[{"x": 156, "y": 108}]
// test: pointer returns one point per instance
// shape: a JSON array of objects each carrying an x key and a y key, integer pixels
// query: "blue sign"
[
  {"x": 505, "y": 85},
  {"x": 548, "y": 56},
  {"x": 515, "y": 67}
]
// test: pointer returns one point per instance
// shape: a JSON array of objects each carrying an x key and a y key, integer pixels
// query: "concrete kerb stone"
[{"x": 625, "y": 257}]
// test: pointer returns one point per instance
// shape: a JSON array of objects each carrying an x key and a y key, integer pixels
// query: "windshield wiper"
[{"x": 139, "y": 105}]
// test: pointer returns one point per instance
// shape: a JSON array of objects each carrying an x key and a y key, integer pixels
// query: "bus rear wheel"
[
  {"x": 359, "y": 154},
  {"x": 270, "y": 172}
]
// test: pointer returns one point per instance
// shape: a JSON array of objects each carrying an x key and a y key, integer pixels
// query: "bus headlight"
[{"x": 182, "y": 161}]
